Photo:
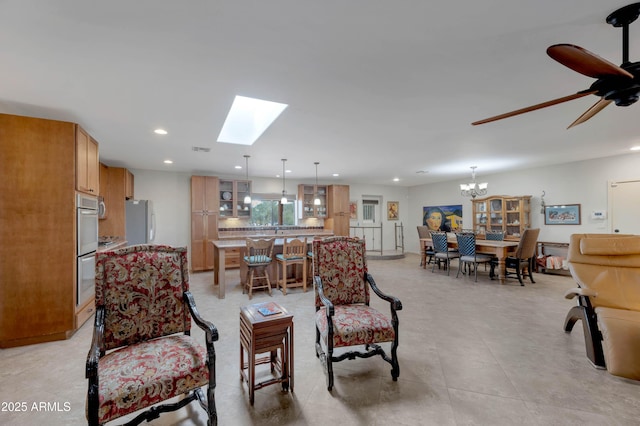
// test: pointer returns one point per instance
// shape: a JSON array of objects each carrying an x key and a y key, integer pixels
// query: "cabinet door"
[
  {"x": 226, "y": 198},
  {"x": 339, "y": 199},
  {"x": 198, "y": 227},
  {"x": 128, "y": 185},
  {"x": 305, "y": 196},
  {"x": 93, "y": 167},
  {"x": 321, "y": 210},
  {"x": 242, "y": 189},
  {"x": 87, "y": 165}
]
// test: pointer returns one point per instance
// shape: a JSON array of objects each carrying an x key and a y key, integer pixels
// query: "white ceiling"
[{"x": 376, "y": 89}]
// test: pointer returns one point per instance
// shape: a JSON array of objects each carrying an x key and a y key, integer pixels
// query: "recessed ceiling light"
[
  {"x": 168, "y": 162},
  {"x": 238, "y": 167},
  {"x": 396, "y": 179},
  {"x": 248, "y": 118},
  {"x": 635, "y": 148},
  {"x": 287, "y": 171},
  {"x": 335, "y": 174},
  {"x": 160, "y": 131}
]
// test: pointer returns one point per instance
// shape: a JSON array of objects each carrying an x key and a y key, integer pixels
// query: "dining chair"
[
  {"x": 344, "y": 318},
  {"x": 142, "y": 352},
  {"x": 294, "y": 252},
  {"x": 523, "y": 259},
  {"x": 427, "y": 256},
  {"x": 442, "y": 252},
  {"x": 469, "y": 257},
  {"x": 494, "y": 235},
  {"x": 258, "y": 257}
]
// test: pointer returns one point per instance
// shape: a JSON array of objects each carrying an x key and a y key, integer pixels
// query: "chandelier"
[{"x": 473, "y": 189}]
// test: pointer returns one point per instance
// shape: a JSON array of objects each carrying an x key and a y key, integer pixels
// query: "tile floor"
[{"x": 470, "y": 354}]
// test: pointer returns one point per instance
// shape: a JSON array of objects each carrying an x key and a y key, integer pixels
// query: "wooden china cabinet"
[{"x": 509, "y": 214}]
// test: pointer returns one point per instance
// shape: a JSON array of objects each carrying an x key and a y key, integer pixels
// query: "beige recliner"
[{"x": 607, "y": 270}]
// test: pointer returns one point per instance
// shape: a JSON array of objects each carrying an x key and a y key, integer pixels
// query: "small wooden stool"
[{"x": 261, "y": 333}]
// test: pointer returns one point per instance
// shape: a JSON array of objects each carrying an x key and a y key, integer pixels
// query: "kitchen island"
[{"x": 220, "y": 248}]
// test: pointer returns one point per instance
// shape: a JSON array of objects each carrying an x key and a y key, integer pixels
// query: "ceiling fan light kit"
[{"x": 619, "y": 84}]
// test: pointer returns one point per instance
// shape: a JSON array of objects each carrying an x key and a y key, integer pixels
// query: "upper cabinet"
[
  {"x": 87, "y": 164},
  {"x": 510, "y": 215},
  {"x": 306, "y": 197},
  {"x": 116, "y": 186},
  {"x": 338, "y": 208},
  {"x": 128, "y": 185},
  {"x": 232, "y": 193}
]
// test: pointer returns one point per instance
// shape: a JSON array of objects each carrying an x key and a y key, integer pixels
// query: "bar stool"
[
  {"x": 258, "y": 257},
  {"x": 294, "y": 252}
]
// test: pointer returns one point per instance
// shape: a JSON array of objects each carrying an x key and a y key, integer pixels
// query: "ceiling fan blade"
[
  {"x": 585, "y": 62},
  {"x": 535, "y": 107},
  {"x": 595, "y": 108}
]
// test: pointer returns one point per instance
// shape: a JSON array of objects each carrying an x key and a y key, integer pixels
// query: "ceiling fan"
[{"x": 619, "y": 84}]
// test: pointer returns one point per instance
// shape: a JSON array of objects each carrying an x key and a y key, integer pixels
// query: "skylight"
[{"x": 248, "y": 118}]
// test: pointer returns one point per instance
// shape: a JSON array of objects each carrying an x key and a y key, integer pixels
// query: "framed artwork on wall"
[
  {"x": 353, "y": 210},
  {"x": 564, "y": 214},
  {"x": 393, "y": 210},
  {"x": 442, "y": 218}
]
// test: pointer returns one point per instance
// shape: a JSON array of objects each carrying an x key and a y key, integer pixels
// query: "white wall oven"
[{"x": 87, "y": 235}]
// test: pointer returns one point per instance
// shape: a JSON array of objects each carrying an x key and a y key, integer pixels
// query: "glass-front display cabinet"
[
  {"x": 306, "y": 196},
  {"x": 232, "y": 193},
  {"x": 509, "y": 214}
]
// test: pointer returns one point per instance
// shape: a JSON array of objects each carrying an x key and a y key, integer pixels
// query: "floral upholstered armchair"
[
  {"x": 343, "y": 315},
  {"x": 142, "y": 352}
]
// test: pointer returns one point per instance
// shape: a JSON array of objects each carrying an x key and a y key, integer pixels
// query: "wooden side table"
[{"x": 272, "y": 334}]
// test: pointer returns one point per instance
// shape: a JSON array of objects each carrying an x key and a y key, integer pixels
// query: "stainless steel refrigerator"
[{"x": 141, "y": 222}]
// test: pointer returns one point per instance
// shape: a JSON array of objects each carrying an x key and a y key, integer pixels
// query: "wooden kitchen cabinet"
[
  {"x": 115, "y": 185},
  {"x": 306, "y": 197},
  {"x": 128, "y": 185},
  {"x": 87, "y": 163},
  {"x": 509, "y": 214},
  {"x": 38, "y": 260},
  {"x": 231, "y": 200},
  {"x": 205, "y": 209},
  {"x": 338, "y": 205}
]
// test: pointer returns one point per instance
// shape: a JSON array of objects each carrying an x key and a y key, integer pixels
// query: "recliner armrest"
[{"x": 573, "y": 292}]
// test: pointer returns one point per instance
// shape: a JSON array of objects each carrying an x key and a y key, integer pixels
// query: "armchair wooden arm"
[
  {"x": 396, "y": 305},
  {"x": 210, "y": 330},
  {"x": 326, "y": 302}
]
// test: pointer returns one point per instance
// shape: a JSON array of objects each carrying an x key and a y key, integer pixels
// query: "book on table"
[{"x": 268, "y": 309}]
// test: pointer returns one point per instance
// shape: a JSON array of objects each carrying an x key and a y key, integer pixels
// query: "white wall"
[
  {"x": 386, "y": 193},
  {"x": 171, "y": 196},
  {"x": 583, "y": 183}
]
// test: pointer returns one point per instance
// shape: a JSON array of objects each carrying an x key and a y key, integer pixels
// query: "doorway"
[{"x": 624, "y": 205}]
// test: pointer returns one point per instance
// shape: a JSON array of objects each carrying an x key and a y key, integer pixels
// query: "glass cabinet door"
[{"x": 227, "y": 201}]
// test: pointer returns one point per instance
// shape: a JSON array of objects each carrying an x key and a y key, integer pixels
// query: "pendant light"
[
  {"x": 283, "y": 200},
  {"x": 247, "y": 198},
  {"x": 317, "y": 201}
]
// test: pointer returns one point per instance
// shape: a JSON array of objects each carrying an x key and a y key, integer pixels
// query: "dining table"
[
  {"x": 219, "y": 256},
  {"x": 499, "y": 249}
]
